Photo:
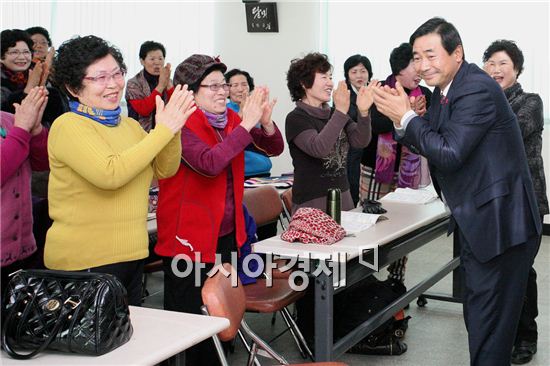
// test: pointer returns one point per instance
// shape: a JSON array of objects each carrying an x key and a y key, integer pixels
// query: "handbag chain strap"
[{"x": 65, "y": 314}]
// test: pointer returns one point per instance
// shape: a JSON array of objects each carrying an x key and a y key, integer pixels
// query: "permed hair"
[
  {"x": 400, "y": 58},
  {"x": 149, "y": 46},
  {"x": 10, "y": 37},
  {"x": 301, "y": 73},
  {"x": 75, "y": 56},
  {"x": 511, "y": 49},
  {"x": 450, "y": 38},
  {"x": 355, "y": 60},
  {"x": 233, "y": 72},
  {"x": 39, "y": 30}
]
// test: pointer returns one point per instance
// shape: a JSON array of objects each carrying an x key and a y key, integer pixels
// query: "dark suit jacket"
[{"x": 473, "y": 144}]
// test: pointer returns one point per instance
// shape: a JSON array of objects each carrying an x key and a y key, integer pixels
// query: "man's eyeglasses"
[
  {"x": 236, "y": 85},
  {"x": 216, "y": 87},
  {"x": 41, "y": 43},
  {"x": 17, "y": 53},
  {"x": 105, "y": 78}
]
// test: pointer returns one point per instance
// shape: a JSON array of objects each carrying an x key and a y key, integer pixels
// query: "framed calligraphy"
[{"x": 261, "y": 17}]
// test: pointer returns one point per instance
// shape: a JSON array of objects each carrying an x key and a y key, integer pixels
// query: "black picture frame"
[{"x": 261, "y": 18}]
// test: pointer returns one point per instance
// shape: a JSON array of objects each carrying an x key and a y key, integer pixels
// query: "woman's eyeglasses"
[
  {"x": 17, "y": 53},
  {"x": 216, "y": 87},
  {"x": 105, "y": 78}
]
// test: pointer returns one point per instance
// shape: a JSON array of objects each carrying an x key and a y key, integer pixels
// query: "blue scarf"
[
  {"x": 216, "y": 120},
  {"x": 103, "y": 116}
]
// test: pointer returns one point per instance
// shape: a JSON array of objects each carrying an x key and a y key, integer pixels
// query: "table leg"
[{"x": 324, "y": 315}]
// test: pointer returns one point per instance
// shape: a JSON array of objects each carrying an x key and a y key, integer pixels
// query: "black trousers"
[
  {"x": 184, "y": 294},
  {"x": 493, "y": 298},
  {"x": 354, "y": 172},
  {"x": 527, "y": 327},
  {"x": 130, "y": 274}
]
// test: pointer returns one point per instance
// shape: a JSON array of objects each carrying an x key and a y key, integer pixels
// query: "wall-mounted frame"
[{"x": 261, "y": 17}]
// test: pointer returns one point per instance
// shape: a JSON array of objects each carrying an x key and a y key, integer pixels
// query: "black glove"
[{"x": 372, "y": 207}]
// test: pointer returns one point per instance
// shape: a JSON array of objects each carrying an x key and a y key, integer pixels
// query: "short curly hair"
[
  {"x": 10, "y": 37},
  {"x": 40, "y": 30},
  {"x": 249, "y": 79},
  {"x": 511, "y": 49},
  {"x": 149, "y": 46},
  {"x": 301, "y": 74},
  {"x": 75, "y": 56}
]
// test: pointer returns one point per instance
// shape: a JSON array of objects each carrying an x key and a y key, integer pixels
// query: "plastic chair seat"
[{"x": 262, "y": 299}]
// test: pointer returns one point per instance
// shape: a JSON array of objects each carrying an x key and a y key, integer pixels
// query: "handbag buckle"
[{"x": 73, "y": 303}]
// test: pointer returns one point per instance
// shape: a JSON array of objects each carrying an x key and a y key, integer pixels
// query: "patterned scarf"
[
  {"x": 103, "y": 116},
  {"x": 410, "y": 167},
  {"x": 17, "y": 78},
  {"x": 216, "y": 120}
]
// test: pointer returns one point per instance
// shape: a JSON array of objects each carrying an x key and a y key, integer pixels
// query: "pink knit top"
[{"x": 19, "y": 153}]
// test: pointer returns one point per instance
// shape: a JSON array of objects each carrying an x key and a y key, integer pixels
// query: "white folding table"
[
  {"x": 158, "y": 335},
  {"x": 409, "y": 226}
]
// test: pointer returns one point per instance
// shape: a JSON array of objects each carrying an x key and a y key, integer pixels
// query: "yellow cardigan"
[{"x": 99, "y": 189}]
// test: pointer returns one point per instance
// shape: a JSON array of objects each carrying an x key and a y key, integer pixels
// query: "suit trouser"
[{"x": 493, "y": 298}]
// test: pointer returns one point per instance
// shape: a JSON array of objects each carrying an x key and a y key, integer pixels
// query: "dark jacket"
[
  {"x": 528, "y": 110},
  {"x": 472, "y": 141}
]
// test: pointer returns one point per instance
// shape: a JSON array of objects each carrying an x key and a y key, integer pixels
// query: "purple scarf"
[
  {"x": 386, "y": 154},
  {"x": 216, "y": 120}
]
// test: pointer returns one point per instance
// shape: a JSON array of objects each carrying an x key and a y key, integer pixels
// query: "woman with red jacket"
[
  {"x": 200, "y": 214},
  {"x": 153, "y": 80}
]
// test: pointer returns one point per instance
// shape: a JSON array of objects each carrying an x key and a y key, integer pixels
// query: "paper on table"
[
  {"x": 355, "y": 222},
  {"x": 408, "y": 195}
]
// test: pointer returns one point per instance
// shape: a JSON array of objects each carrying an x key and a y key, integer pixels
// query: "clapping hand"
[
  {"x": 341, "y": 97},
  {"x": 164, "y": 78},
  {"x": 393, "y": 103},
  {"x": 265, "y": 120},
  {"x": 253, "y": 108},
  {"x": 28, "y": 114},
  {"x": 365, "y": 97},
  {"x": 35, "y": 77},
  {"x": 418, "y": 104},
  {"x": 175, "y": 113}
]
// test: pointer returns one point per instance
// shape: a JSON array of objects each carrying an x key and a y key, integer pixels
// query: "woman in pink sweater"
[{"x": 23, "y": 148}]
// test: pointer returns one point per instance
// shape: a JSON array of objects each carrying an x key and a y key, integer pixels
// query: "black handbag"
[{"x": 78, "y": 312}]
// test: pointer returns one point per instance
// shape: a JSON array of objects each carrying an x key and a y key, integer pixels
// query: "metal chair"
[
  {"x": 265, "y": 206},
  {"x": 221, "y": 298}
]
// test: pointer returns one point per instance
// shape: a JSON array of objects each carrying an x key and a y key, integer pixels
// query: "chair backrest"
[
  {"x": 263, "y": 204},
  {"x": 286, "y": 197},
  {"x": 224, "y": 300}
]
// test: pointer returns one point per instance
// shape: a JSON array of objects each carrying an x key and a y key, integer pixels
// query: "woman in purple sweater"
[
  {"x": 23, "y": 149},
  {"x": 319, "y": 137}
]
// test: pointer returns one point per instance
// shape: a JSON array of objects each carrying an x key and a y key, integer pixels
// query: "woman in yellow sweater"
[{"x": 102, "y": 165}]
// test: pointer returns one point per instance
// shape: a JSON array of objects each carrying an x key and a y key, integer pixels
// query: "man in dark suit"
[{"x": 472, "y": 141}]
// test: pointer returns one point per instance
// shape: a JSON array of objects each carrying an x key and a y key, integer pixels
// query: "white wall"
[{"x": 182, "y": 27}]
